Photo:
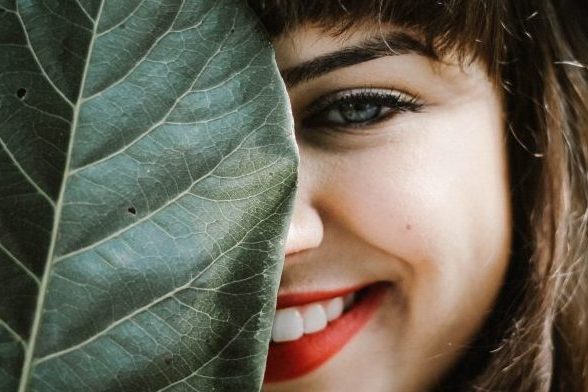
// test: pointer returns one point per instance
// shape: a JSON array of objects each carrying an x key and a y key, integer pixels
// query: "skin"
[{"x": 419, "y": 199}]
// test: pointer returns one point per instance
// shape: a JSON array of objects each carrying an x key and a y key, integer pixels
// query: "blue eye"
[
  {"x": 357, "y": 108},
  {"x": 354, "y": 112}
]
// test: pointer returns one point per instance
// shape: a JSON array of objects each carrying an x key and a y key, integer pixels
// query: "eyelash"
[{"x": 396, "y": 102}]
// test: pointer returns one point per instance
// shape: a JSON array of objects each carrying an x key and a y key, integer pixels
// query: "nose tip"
[{"x": 306, "y": 228}]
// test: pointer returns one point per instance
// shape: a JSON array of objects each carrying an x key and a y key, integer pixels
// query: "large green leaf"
[{"x": 146, "y": 174}]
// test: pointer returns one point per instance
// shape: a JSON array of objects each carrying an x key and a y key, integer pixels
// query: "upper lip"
[{"x": 305, "y": 297}]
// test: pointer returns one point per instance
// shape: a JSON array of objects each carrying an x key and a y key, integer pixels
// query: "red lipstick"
[
  {"x": 289, "y": 360},
  {"x": 299, "y": 299}
]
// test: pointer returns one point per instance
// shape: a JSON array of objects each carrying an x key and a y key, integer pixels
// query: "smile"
[{"x": 310, "y": 328}]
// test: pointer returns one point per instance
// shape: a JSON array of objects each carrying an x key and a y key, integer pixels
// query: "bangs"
[{"x": 472, "y": 29}]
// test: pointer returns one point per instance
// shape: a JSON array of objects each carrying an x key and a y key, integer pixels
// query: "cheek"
[
  {"x": 442, "y": 207},
  {"x": 438, "y": 202}
]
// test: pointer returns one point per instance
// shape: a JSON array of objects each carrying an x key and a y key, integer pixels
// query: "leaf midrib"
[{"x": 27, "y": 363}]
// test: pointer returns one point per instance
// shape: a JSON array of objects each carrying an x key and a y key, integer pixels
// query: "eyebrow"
[{"x": 391, "y": 44}]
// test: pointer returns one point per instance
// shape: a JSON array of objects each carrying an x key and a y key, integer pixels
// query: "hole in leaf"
[
  {"x": 21, "y": 93},
  {"x": 132, "y": 210}
]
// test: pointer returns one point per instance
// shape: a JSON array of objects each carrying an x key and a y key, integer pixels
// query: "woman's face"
[{"x": 402, "y": 182}]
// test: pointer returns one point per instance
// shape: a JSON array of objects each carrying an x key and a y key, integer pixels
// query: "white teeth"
[
  {"x": 315, "y": 318},
  {"x": 288, "y": 325},
  {"x": 292, "y": 323},
  {"x": 334, "y": 308}
]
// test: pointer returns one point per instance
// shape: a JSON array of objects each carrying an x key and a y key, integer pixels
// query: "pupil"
[{"x": 359, "y": 112}]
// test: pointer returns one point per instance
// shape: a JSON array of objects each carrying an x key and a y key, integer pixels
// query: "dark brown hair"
[{"x": 536, "y": 339}]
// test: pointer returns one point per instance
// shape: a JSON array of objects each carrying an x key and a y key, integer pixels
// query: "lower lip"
[{"x": 294, "y": 359}]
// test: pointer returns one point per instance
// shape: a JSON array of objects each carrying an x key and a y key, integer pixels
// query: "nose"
[{"x": 306, "y": 226}]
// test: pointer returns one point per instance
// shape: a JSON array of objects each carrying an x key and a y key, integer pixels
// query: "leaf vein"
[
  {"x": 122, "y": 21},
  {"x": 14, "y": 334},
  {"x": 26, "y": 175},
  {"x": 85, "y": 11},
  {"x": 162, "y": 207},
  {"x": 38, "y": 61},
  {"x": 162, "y": 121},
  {"x": 61, "y": 17},
  {"x": 8, "y": 10},
  {"x": 214, "y": 357},
  {"x": 28, "y": 363},
  {"x": 178, "y": 333},
  {"x": 169, "y": 295},
  {"x": 138, "y": 63},
  {"x": 20, "y": 264},
  {"x": 55, "y": 116}
]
